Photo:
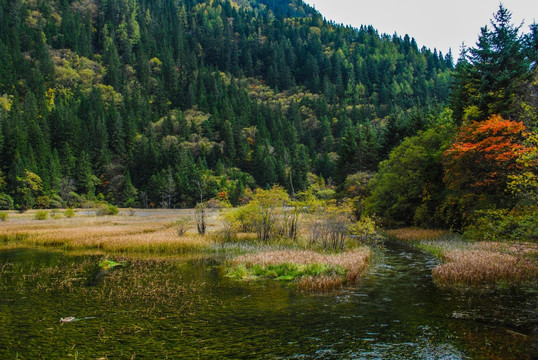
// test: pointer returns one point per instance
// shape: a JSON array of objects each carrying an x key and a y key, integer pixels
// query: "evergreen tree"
[
  {"x": 85, "y": 180},
  {"x": 112, "y": 62},
  {"x": 499, "y": 64},
  {"x": 129, "y": 194}
]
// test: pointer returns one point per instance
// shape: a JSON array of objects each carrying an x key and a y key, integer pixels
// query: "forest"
[{"x": 166, "y": 104}]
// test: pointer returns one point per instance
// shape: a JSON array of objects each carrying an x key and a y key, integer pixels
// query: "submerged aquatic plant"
[{"x": 110, "y": 264}]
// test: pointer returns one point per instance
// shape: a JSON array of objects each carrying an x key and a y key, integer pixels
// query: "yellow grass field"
[{"x": 144, "y": 230}]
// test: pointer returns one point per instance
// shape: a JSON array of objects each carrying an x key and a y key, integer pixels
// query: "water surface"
[{"x": 186, "y": 308}]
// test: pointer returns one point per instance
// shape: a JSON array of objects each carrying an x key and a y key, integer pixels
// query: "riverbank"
[{"x": 475, "y": 264}]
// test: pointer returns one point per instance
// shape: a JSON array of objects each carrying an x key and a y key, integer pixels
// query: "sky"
[{"x": 433, "y": 23}]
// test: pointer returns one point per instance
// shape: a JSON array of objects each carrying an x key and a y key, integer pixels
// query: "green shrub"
[
  {"x": 3, "y": 216},
  {"x": 113, "y": 210},
  {"x": 502, "y": 224},
  {"x": 69, "y": 213},
  {"x": 41, "y": 215},
  {"x": 6, "y": 202},
  {"x": 104, "y": 210}
]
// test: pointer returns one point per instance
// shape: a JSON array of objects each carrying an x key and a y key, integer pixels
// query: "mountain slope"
[{"x": 140, "y": 100}]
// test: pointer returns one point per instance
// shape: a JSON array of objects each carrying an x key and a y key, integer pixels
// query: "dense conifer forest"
[
  {"x": 163, "y": 103},
  {"x": 138, "y": 100}
]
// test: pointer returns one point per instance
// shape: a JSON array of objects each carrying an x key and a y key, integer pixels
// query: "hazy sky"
[{"x": 433, "y": 23}]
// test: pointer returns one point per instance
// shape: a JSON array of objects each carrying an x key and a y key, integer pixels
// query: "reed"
[
  {"x": 484, "y": 268},
  {"x": 416, "y": 234},
  {"x": 307, "y": 269},
  {"x": 322, "y": 283},
  {"x": 475, "y": 264}
]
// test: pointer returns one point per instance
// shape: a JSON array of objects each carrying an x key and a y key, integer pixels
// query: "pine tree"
[
  {"x": 85, "y": 180},
  {"x": 499, "y": 64},
  {"x": 129, "y": 194},
  {"x": 112, "y": 61}
]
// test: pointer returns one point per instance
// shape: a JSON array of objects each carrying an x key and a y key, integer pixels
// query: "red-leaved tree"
[{"x": 484, "y": 155}]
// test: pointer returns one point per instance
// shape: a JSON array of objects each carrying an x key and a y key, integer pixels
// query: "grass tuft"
[
  {"x": 484, "y": 268},
  {"x": 304, "y": 269}
]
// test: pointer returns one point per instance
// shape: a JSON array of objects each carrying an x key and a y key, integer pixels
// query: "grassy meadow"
[
  {"x": 153, "y": 231},
  {"x": 475, "y": 264}
]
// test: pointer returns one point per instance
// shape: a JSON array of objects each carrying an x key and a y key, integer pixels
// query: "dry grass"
[
  {"x": 484, "y": 268},
  {"x": 475, "y": 264},
  {"x": 147, "y": 231},
  {"x": 348, "y": 266},
  {"x": 416, "y": 234},
  {"x": 322, "y": 283},
  {"x": 347, "y": 260}
]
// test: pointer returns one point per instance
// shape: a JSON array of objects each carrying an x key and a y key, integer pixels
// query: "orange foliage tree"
[{"x": 484, "y": 156}]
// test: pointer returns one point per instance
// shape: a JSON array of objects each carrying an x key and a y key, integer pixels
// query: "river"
[{"x": 185, "y": 308}]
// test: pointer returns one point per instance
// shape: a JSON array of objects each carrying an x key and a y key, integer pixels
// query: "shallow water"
[{"x": 186, "y": 308}]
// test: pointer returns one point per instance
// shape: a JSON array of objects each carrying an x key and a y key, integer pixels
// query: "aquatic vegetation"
[
  {"x": 414, "y": 234},
  {"x": 82, "y": 277},
  {"x": 172, "y": 306},
  {"x": 309, "y": 270},
  {"x": 156, "y": 232},
  {"x": 110, "y": 264},
  {"x": 475, "y": 264},
  {"x": 473, "y": 267}
]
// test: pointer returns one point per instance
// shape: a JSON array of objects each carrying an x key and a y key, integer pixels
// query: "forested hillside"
[
  {"x": 159, "y": 103},
  {"x": 475, "y": 167}
]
